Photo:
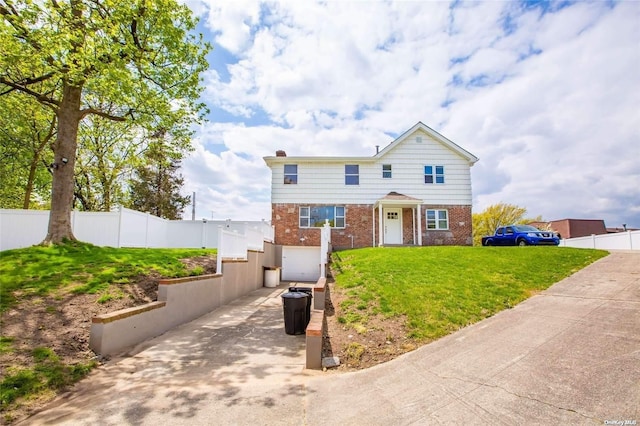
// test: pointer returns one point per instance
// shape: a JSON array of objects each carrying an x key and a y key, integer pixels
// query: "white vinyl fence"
[
  {"x": 129, "y": 228},
  {"x": 629, "y": 240}
]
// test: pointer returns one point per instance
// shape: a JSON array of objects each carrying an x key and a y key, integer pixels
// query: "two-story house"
[{"x": 415, "y": 191}]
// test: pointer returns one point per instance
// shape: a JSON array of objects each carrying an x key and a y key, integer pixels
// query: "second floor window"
[
  {"x": 386, "y": 171},
  {"x": 290, "y": 174},
  {"x": 351, "y": 174},
  {"x": 433, "y": 174}
]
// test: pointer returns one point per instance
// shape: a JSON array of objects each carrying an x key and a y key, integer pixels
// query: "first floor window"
[
  {"x": 437, "y": 219},
  {"x": 315, "y": 217}
]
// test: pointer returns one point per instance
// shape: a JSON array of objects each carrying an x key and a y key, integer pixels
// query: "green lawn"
[
  {"x": 442, "y": 289},
  {"x": 83, "y": 268}
]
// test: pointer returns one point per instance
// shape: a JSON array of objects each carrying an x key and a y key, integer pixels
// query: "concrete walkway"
[
  {"x": 233, "y": 366},
  {"x": 570, "y": 354}
]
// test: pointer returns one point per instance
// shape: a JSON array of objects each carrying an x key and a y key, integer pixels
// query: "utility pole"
[{"x": 193, "y": 207}]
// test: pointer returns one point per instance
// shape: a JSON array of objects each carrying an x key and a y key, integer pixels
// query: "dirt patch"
[
  {"x": 206, "y": 263},
  {"x": 381, "y": 340},
  {"x": 62, "y": 322}
]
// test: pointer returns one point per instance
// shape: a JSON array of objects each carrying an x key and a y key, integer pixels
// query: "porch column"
[
  {"x": 373, "y": 226},
  {"x": 413, "y": 225},
  {"x": 419, "y": 225},
  {"x": 380, "y": 242}
]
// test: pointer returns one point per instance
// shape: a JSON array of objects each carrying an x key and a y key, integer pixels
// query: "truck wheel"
[
  {"x": 488, "y": 243},
  {"x": 522, "y": 242}
]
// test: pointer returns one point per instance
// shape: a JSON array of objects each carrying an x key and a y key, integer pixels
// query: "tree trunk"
[
  {"x": 32, "y": 174},
  {"x": 64, "y": 158},
  {"x": 33, "y": 167}
]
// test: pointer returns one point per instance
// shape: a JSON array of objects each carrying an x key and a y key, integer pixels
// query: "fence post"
[
  {"x": 219, "y": 255},
  {"x": 121, "y": 212},
  {"x": 630, "y": 240},
  {"x": 146, "y": 232},
  {"x": 593, "y": 240},
  {"x": 325, "y": 238},
  {"x": 204, "y": 233}
]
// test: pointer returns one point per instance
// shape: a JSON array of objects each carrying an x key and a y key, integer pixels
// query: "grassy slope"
[
  {"x": 441, "y": 289},
  {"x": 83, "y": 267},
  {"x": 75, "y": 267}
]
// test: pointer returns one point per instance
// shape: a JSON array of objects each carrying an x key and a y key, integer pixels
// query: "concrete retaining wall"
[
  {"x": 180, "y": 300},
  {"x": 315, "y": 328}
]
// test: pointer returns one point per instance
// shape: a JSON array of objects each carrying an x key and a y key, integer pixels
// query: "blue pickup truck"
[{"x": 521, "y": 235}]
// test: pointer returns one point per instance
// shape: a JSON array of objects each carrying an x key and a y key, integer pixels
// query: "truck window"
[
  {"x": 499, "y": 231},
  {"x": 509, "y": 231}
]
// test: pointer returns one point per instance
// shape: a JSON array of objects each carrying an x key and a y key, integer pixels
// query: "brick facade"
[
  {"x": 360, "y": 220},
  {"x": 460, "y": 232}
]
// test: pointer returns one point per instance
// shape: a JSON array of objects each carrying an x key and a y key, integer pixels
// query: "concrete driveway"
[{"x": 570, "y": 354}]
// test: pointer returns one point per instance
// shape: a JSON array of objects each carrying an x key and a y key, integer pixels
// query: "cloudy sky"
[{"x": 546, "y": 94}]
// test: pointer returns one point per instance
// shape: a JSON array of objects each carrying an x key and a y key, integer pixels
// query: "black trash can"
[
  {"x": 309, "y": 292},
  {"x": 294, "y": 305}
]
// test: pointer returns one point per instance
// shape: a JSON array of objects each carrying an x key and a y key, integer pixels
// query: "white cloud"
[
  {"x": 232, "y": 22},
  {"x": 548, "y": 101}
]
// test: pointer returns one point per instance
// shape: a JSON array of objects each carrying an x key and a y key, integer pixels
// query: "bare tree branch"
[
  {"x": 45, "y": 100},
  {"x": 87, "y": 111}
]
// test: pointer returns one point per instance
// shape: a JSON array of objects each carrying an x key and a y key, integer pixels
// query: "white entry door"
[{"x": 392, "y": 226}]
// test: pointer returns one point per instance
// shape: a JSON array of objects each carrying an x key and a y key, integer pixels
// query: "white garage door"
[{"x": 300, "y": 263}]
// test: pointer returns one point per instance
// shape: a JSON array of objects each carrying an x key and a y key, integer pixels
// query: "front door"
[{"x": 392, "y": 226}]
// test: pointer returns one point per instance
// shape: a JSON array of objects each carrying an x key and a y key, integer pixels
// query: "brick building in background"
[{"x": 574, "y": 228}]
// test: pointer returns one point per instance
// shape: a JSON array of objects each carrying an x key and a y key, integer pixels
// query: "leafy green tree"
[
  {"x": 124, "y": 61},
  {"x": 27, "y": 130},
  {"x": 108, "y": 151},
  {"x": 157, "y": 184},
  {"x": 486, "y": 222}
]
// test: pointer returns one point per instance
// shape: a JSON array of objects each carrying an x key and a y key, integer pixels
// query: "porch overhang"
[
  {"x": 399, "y": 204},
  {"x": 401, "y": 201}
]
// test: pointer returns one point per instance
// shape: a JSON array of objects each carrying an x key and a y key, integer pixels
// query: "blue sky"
[{"x": 546, "y": 94}]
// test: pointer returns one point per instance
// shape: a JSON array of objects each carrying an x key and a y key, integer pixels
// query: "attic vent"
[
  {"x": 281, "y": 153},
  {"x": 419, "y": 139}
]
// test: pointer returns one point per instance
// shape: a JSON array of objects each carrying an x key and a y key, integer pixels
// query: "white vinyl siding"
[{"x": 323, "y": 182}]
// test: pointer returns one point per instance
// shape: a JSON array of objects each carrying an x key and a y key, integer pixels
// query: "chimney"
[
  {"x": 377, "y": 149},
  {"x": 281, "y": 153}
]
